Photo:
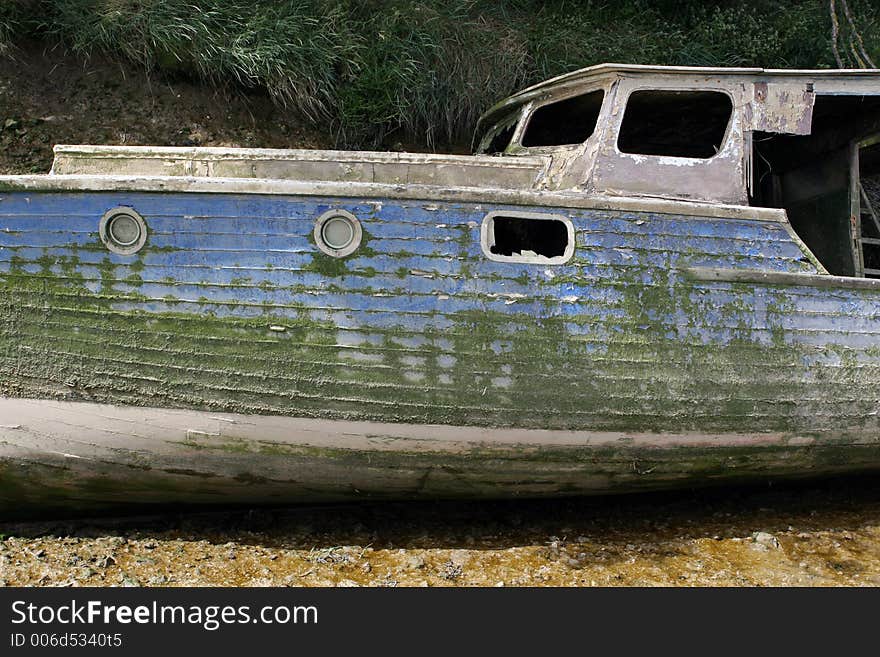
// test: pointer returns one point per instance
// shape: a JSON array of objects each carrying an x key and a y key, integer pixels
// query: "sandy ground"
[{"x": 825, "y": 533}]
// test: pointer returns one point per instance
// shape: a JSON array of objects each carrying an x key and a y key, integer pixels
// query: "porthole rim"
[
  {"x": 114, "y": 246},
  {"x": 357, "y": 230}
]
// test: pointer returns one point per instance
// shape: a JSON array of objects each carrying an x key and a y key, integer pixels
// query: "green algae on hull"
[{"x": 619, "y": 340}]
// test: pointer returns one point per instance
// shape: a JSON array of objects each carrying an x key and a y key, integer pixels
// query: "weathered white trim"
[
  {"x": 171, "y": 431},
  {"x": 530, "y": 198},
  {"x": 53, "y": 453},
  {"x": 782, "y": 278},
  {"x": 302, "y": 165},
  {"x": 215, "y": 153},
  {"x": 871, "y": 76}
]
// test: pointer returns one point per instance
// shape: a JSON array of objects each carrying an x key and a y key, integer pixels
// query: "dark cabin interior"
[{"x": 828, "y": 182}]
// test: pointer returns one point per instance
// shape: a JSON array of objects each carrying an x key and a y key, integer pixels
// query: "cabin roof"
[{"x": 831, "y": 80}]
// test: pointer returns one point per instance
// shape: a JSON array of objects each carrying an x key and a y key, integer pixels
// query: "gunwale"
[{"x": 403, "y": 191}]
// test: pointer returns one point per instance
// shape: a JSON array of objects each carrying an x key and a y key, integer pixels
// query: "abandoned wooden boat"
[{"x": 645, "y": 277}]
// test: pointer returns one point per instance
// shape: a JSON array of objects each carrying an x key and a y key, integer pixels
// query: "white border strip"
[{"x": 415, "y": 192}]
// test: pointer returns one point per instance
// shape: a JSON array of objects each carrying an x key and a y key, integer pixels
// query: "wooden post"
[{"x": 855, "y": 213}]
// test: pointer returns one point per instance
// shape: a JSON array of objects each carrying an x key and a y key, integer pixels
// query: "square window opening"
[
  {"x": 525, "y": 238},
  {"x": 689, "y": 124}
]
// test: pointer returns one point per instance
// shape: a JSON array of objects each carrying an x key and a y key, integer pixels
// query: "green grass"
[
  {"x": 13, "y": 14},
  {"x": 375, "y": 72}
]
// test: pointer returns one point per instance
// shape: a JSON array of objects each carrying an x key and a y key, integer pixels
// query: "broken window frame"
[
  {"x": 725, "y": 141},
  {"x": 512, "y": 120},
  {"x": 487, "y": 238},
  {"x": 533, "y": 107}
]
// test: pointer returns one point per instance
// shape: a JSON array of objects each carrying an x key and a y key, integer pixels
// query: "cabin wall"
[{"x": 719, "y": 179}]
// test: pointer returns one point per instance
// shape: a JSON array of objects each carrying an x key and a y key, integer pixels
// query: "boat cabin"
[{"x": 805, "y": 141}]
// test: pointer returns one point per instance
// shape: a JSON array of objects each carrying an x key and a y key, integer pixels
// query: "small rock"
[
  {"x": 347, "y": 583},
  {"x": 765, "y": 539},
  {"x": 450, "y": 570},
  {"x": 415, "y": 562},
  {"x": 459, "y": 557},
  {"x": 367, "y": 567}
]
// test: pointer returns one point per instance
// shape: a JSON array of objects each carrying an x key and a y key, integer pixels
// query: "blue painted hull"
[{"x": 231, "y": 308}]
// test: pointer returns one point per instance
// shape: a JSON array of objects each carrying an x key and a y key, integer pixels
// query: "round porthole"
[
  {"x": 338, "y": 233},
  {"x": 123, "y": 231}
]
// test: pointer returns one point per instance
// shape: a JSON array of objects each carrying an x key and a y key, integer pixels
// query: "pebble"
[
  {"x": 459, "y": 557},
  {"x": 450, "y": 570},
  {"x": 765, "y": 539},
  {"x": 415, "y": 562}
]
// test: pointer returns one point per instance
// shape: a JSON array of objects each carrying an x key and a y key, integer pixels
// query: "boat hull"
[
  {"x": 680, "y": 344},
  {"x": 76, "y": 457}
]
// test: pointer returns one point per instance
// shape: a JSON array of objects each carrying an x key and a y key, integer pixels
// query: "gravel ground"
[{"x": 819, "y": 534}]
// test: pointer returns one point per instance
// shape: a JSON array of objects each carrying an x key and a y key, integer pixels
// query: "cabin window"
[
  {"x": 565, "y": 122},
  {"x": 527, "y": 237},
  {"x": 675, "y": 123}
]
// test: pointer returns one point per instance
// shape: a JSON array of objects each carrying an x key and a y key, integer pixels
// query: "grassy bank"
[{"x": 372, "y": 72}]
